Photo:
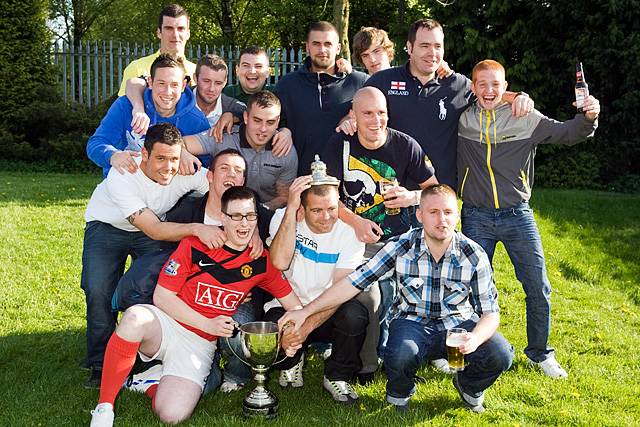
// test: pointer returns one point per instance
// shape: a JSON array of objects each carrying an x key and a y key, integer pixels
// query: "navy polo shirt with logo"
[
  {"x": 263, "y": 168},
  {"x": 429, "y": 113}
]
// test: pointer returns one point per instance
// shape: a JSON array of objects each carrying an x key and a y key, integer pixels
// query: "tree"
[
  {"x": 341, "y": 21},
  {"x": 25, "y": 56},
  {"x": 77, "y": 16},
  {"x": 539, "y": 43}
]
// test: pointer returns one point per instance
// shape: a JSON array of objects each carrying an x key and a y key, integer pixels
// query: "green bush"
[
  {"x": 50, "y": 133},
  {"x": 568, "y": 167}
]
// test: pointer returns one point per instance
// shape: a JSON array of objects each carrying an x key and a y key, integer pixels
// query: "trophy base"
[
  {"x": 260, "y": 403},
  {"x": 266, "y": 412}
]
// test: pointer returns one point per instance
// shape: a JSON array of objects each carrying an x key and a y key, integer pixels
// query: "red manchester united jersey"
[{"x": 214, "y": 282}]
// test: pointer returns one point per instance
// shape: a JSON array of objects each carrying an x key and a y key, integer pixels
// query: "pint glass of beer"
[
  {"x": 455, "y": 338},
  {"x": 385, "y": 186}
]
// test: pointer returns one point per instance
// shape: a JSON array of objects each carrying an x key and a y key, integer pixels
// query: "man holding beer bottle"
[
  {"x": 495, "y": 175},
  {"x": 445, "y": 281}
]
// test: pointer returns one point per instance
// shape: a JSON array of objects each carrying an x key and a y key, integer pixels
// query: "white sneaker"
[
  {"x": 229, "y": 386},
  {"x": 442, "y": 365},
  {"x": 292, "y": 376},
  {"x": 141, "y": 381},
  {"x": 341, "y": 391},
  {"x": 102, "y": 416},
  {"x": 551, "y": 368}
]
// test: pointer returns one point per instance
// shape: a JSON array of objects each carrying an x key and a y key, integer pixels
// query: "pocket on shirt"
[
  {"x": 455, "y": 293},
  {"x": 413, "y": 289}
]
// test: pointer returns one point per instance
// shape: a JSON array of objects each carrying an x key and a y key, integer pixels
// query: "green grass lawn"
[{"x": 592, "y": 243}]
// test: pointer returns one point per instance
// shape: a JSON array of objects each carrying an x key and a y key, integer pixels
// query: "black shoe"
[
  {"x": 84, "y": 364},
  {"x": 365, "y": 378},
  {"x": 95, "y": 376}
]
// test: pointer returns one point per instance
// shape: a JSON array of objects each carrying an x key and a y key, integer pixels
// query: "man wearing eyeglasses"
[
  {"x": 228, "y": 169},
  {"x": 198, "y": 291}
]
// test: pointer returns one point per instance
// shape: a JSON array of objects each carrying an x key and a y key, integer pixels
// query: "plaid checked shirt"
[{"x": 440, "y": 294}]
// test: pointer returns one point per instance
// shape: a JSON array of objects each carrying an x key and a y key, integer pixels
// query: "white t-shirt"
[
  {"x": 121, "y": 195},
  {"x": 317, "y": 256}
]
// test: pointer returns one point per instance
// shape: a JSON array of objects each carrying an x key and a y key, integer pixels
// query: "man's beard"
[
  {"x": 330, "y": 66},
  {"x": 204, "y": 101}
]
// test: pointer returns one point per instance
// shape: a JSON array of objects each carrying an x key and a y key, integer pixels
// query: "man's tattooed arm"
[{"x": 136, "y": 214}]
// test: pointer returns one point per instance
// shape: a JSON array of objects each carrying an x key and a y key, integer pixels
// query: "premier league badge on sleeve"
[{"x": 172, "y": 268}]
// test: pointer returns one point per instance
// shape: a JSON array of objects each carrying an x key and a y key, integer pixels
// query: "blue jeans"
[
  {"x": 104, "y": 255},
  {"x": 388, "y": 295},
  {"x": 517, "y": 230},
  {"x": 411, "y": 344}
]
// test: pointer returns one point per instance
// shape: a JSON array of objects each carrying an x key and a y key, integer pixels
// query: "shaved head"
[
  {"x": 369, "y": 109},
  {"x": 367, "y": 94}
]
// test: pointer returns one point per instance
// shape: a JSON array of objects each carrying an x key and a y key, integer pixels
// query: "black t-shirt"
[{"x": 360, "y": 170}]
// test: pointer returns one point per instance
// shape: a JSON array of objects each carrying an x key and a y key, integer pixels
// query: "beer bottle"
[{"x": 582, "y": 89}]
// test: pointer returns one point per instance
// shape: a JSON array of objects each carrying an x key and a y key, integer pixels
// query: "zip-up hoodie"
[
  {"x": 115, "y": 134},
  {"x": 496, "y": 152},
  {"x": 312, "y": 106}
]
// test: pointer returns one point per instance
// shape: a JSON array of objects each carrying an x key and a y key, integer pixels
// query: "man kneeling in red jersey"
[{"x": 198, "y": 291}]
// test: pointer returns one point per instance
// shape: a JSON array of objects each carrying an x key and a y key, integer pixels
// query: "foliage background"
[{"x": 539, "y": 43}]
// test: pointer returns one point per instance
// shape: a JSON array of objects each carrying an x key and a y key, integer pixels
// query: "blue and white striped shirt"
[{"x": 440, "y": 294}]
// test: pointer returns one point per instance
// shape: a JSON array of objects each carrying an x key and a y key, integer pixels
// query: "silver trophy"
[
  {"x": 319, "y": 173},
  {"x": 259, "y": 342}
]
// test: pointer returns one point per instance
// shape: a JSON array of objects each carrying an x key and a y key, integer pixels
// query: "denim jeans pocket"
[{"x": 522, "y": 211}]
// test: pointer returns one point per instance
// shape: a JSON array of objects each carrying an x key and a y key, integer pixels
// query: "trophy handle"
[
  {"x": 280, "y": 333},
  {"x": 236, "y": 331}
]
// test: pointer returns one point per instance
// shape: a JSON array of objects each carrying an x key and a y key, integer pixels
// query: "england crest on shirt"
[{"x": 398, "y": 88}]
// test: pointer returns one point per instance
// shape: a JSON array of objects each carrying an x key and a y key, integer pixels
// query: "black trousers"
[{"x": 345, "y": 330}]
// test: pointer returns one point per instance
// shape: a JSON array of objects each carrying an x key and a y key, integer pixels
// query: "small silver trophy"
[
  {"x": 319, "y": 173},
  {"x": 260, "y": 342}
]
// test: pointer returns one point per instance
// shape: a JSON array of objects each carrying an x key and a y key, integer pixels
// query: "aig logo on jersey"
[
  {"x": 217, "y": 297},
  {"x": 398, "y": 88}
]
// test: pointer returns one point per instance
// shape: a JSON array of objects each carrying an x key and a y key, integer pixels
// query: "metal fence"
[{"x": 91, "y": 73}]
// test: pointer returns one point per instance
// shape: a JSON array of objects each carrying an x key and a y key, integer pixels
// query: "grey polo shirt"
[{"x": 263, "y": 168}]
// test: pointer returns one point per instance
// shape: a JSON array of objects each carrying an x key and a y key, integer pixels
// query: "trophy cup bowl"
[{"x": 259, "y": 343}]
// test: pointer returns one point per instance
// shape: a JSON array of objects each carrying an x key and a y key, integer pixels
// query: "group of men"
[{"x": 371, "y": 262}]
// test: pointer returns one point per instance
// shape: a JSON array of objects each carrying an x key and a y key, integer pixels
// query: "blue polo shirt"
[{"x": 429, "y": 113}]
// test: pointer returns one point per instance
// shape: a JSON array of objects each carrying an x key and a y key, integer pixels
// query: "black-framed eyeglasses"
[{"x": 251, "y": 216}]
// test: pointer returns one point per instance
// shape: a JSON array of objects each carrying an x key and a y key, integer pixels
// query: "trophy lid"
[{"x": 319, "y": 173}]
